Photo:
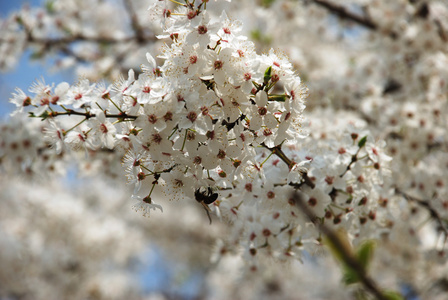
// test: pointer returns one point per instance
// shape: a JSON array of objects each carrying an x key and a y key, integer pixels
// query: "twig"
[
  {"x": 344, "y": 13},
  {"x": 138, "y": 29},
  {"x": 277, "y": 150},
  {"x": 88, "y": 115},
  {"x": 66, "y": 50},
  {"x": 346, "y": 256},
  {"x": 432, "y": 211}
]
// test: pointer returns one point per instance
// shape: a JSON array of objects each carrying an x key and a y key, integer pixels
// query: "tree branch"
[
  {"x": 88, "y": 115},
  {"x": 138, "y": 29},
  {"x": 348, "y": 258},
  {"x": 425, "y": 204},
  {"x": 277, "y": 150},
  {"x": 344, "y": 13}
]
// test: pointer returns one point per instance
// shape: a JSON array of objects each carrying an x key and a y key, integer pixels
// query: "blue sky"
[{"x": 26, "y": 71}]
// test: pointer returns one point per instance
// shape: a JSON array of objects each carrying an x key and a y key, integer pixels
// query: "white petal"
[{"x": 261, "y": 98}]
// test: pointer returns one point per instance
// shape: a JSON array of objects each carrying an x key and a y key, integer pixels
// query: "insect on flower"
[{"x": 206, "y": 197}]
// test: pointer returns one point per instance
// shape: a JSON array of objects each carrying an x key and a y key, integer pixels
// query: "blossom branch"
[
  {"x": 277, "y": 150},
  {"x": 66, "y": 50},
  {"x": 139, "y": 34},
  {"x": 49, "y": 42},
  {"x": 346, "y": 255},
  {"x": 432, "y": 211},
  {"x": 78, "y": 37},
  {"x": 354, "y": 158},
  {"x": 63, "y": 44},
  {"x": 344, "y": 13},
  {"x": 69, "y": 112}
]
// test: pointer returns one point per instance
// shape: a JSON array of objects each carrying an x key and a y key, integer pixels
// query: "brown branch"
[
  {"x": 62, "y": 44},
  {"x": 426, "y": 204},
  {"x": 277, "y": 150},
  {"x": 83, "y": 38},
  {"x": 441, "y": 30},
  {"x": 79, "y": 38},
  {"x": 88, "y": 115},
  {"x": 366, "y": 22},
  {"x": 348, "y": 258},
  {"x": 139, "y": 36},
  {"x": 67, "y": 51},
  {"x": 344, "y": 13},
  {"x": 138, "y": 29},
  {"x": 352, "y": 161}
]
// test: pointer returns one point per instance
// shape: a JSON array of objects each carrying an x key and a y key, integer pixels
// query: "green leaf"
[
  {"x": 36, "y": 55},
  {"x": 360, "y": 294},
  {"x": 267, "y": 75},
  {"x": 267, "y": 3},
  {"x": 277, "y": 98},
  {"x": 44, "y": 115},
  {"x": 256, "y": 35},
  {"x": 365, "y": 253},
  {"x": 362, "y": 142},
  {"x": 49, "y": 5},
  {"x": 256, "y": 85},
  {"x": 349, "y": 276},
  {"x": 392, "y": 295},
  {"x": 19, "y": 20}
]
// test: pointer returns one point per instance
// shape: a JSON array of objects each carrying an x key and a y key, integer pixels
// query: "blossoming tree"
[{"x": 213, "y": 124}]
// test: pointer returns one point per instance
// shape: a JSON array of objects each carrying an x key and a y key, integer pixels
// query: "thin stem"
[
  {"x": 280, "y": 154},
  {"x": 342, "y": 12},
  {"x": 172, "y": 133},
  {"x": 146, "y": 168},
  {"x": 354, "y": 159},
  {"x": 89, "y": 115},
  {"x": 178, "y": 3},
  {"x": 269, "y": 156},
  {"x": 119, "y": 109},
  {"x": 152, "y": 189},
  {"x": 432, "y": 211},
  {"x": 68, "y": 130},
  {"x": 185, "y": 140}
]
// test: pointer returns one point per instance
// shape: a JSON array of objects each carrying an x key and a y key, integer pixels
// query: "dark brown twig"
[
  {"x": 277, "y": 150},
  {"x": 88, "y": 115},
  {"x": 432, "y": 211},
  {"x": 344, "y": 13}
]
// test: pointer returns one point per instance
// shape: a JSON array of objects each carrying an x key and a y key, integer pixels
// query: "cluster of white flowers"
[
  {"x": 57, "y": 243},
  {"x": 26, "y": 152},
  {"x": 209, "y": 120},
  {"x": 390, "y": 71},
  {"x": 218, "y": 124}
]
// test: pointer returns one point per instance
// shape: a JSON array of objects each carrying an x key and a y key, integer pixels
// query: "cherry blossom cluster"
[
  {"x": 346, "y": 189},
  {"x": 385, "y": 63},
  {"x": 55, "y": 239},
  {"x": 218, "y": 124},
  {"x": 23, "y": 151}
]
